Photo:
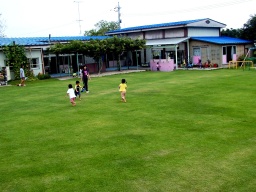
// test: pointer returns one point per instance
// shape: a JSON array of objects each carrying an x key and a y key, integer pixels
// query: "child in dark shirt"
[{"x": 78, "y": 88}]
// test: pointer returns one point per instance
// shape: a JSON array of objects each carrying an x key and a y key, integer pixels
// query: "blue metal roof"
[
  {"x": 43, "y": 41},
  {"x": 39, "y": 41},
  {"x": 222, "y": 40},
  {"x": 178, "y": 23}
]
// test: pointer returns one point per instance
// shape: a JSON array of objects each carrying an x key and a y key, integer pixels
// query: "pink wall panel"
[
  {"x": 196, "y": 59},
  {"x": 165, "y": 65},
  {"x": 224, "y": 59},
  {"x": 234, "y": 57}
]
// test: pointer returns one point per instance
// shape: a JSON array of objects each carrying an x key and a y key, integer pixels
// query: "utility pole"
[
  {"x": 117, "y": 9},
  {"x": 49, "y": 41},
  {"x": 79, "y": 20}
]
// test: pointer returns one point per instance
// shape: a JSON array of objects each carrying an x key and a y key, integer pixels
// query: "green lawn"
[{"x": 179, "y": 131}]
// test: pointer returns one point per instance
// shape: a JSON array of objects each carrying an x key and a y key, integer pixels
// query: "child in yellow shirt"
[{"x": 122, "y": 89}]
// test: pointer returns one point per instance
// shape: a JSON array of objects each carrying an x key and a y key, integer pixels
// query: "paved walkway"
[
  {"x": 106, "y": 74},
  {"x": 196, "y": 68}
]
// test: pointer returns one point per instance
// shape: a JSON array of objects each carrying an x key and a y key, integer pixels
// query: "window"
[
  {"x": 34, "y": 63},
  {"x": 7, "y": 63},
  {"x": 224, "y": 51},
  {"x": 234, "y": 49},
  {"x": 156, "y": 54}
]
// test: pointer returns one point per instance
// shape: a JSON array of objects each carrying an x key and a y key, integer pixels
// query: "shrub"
[
  {"x": 253, "y": 59},
  {"x": 41, "y": 76}
]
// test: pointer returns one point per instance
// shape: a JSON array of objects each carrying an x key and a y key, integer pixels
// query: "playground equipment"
[
  {"x": 234, "y": 64},
  {"x": 244, "y": 62}
]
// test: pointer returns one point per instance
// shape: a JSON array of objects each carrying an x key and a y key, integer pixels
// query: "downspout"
[
  {"x": 188, "y": 50},
  {"x": 69, "y": 65},
  {"x": 42, "y": 59},
  {"x": 137, "y": 59},
  {"x": 56, "y": 62},
  {"x": 77, "y": 64},
  {"x": 176, "y": 56}
]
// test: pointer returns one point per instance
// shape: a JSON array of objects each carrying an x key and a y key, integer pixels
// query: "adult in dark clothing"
[{"x": 84, "y": 77}]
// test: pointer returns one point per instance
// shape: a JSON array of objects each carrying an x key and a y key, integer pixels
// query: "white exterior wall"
[
  {"x": 153, "y": 34},
  {"x": 135, "y": 35},
  {"x": 10, "y": 74},
  {"x": 172, "y": 33},
  {"x": 207, "y": 23},
  {"x": 35, "y": 54},
  {"x": 2, "y": 58},
  {"x": 192, "y": 32}
]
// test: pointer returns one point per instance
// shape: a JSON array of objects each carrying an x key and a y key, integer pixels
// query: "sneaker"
[
  {"x": 82, "y": 90},
  {"x": 87, "y": 91}
]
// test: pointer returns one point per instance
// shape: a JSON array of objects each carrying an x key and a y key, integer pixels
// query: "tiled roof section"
[
  {"x": 39, "y": 41},
  {"x": 178, "y": 23},
  {"x": 221, "y": 40}
]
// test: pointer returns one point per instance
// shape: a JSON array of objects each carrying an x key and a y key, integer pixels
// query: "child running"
[
  {"x": 122, "y": 89},
  {"x": 78, "y": 88},
  {"x": 71, "y": 94}
]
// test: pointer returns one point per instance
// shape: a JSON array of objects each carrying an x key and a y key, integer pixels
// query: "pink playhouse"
[{"x": 164, "y": 64}]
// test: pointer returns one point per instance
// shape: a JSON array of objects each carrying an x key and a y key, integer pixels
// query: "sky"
[{"x": 39, "y": 18}]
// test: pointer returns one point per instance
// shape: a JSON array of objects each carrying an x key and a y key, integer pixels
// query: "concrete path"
[{"x": 105, "y": 74}]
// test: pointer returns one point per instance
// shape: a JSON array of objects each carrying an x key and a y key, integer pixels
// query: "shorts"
[
  {"x": 72, "y": 100},
  {"x": 77, "y": 93}
]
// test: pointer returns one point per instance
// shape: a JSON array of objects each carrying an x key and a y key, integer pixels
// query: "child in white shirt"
[{"x": 71, "y": 94}]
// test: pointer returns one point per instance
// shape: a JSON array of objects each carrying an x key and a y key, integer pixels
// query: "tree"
[
  {"x": 97, "y": 50},
  {"x": 249, "y": 29},
  {"x": 102, "y": 27},
  {"x": 231, "y": 32}
]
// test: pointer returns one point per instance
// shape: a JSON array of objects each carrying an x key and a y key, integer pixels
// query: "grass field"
[{"x": 179, "y": 131}]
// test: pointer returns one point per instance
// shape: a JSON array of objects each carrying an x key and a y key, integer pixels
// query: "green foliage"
[
  {"x": 97, "y": 48},
  {"x": 253, "y": 59},
  {"x": 15, "y": 56},
  {"x": 101, "y": 28},
  {"x": 241, "y": 58},
  {"x": 179, "y": 131},
  {"x": 249, "y": 29},
  {"x": 231, "y": 32},
  {"x": 41, "y": 76}
]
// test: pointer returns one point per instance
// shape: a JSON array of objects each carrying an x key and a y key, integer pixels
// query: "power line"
[{"x": 193, "y": 9}]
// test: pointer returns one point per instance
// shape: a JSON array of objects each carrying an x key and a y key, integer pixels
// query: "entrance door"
[
  {"x": 196, "y": 55},
  {"x": 229, "y": 53},
  {"x": 224, "y": 55}
]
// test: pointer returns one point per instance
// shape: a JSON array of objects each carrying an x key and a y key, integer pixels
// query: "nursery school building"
[
  {"x": 176, "y": 44},
  {"x": 171, "y": 45}
]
